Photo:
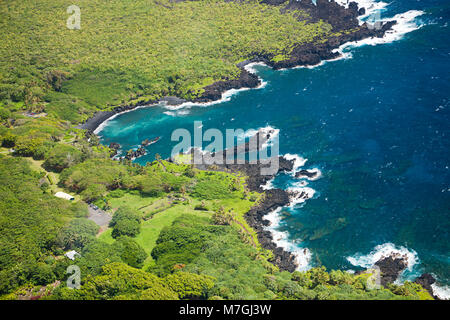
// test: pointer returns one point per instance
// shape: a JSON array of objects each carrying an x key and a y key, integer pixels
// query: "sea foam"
[
  {"x": 406, "y": 22},
  {"x": 318, "y": 174},
  {"x": 442, "y": 292},
  {"x": 384, "y": 250},
  {"x": 226, "y": 96},
  {"x": 298, "y": 160},
  {"x": 281, "y": 239},
  {"x": 298, "y": 193}
]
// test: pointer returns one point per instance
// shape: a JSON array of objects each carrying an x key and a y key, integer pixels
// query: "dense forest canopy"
[{"x": 134, "y": 49}]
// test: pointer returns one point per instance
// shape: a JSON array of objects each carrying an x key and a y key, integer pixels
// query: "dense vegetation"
[
  {"x": 195, "y": 245},
  {"x": 176, "y": 232},
  {"x": 201, "y": 251},
  {"x": 30, "y": 222},
  {"x": 133, "y": 49}
]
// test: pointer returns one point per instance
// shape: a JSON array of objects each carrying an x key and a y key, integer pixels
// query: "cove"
[{"x": 376, "y": 124}]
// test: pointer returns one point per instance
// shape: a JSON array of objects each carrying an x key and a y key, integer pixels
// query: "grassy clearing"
[
  {"x": 52, "y": 177},
  {"x": 132, "y": 199},
  {"x": 150, "y": 229}
]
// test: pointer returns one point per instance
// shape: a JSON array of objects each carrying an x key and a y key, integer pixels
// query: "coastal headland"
[{"x": 347, "y": 28}]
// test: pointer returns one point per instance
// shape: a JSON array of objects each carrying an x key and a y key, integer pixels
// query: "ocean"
[{"x": 375, "y": 123}]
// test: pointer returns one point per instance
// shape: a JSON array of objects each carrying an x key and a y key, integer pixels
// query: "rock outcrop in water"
[
  {"x": 391, "y": 267},
  {"x": 426, "y": 280},
  {"x": 306, "y": 174},
  {"x": 133, "y": 154},
  {"x": 273, "y": 198}
]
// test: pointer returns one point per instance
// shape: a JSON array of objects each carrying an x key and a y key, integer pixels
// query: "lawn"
[
  {"x": 52, "y": 177},
  {"x": 159, "y": 212},
  {"x": 150, "y": 229},
  {"x": 132, "y": 199}
]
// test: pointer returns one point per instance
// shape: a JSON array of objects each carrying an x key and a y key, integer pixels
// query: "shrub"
[
  {"x": 78, "y": 233},
  {"x": 124, "y": 213},
  {"x": 26, "y": 146},
  {"x": 42, "y": 151},
  {"x": 93, "y": 192},
  {"x": 4, "y": 114},
  {"x": 131, "y": 252},
  {"x": 8, "y": 140},
  {"x": 42, "y": 274},
  {"x": 118, "y": 193},
  {"x": 126, "y": 227},
  {"x": 190, "y": 285},
  {"x": 55, "y": 78},
  {"x": 62, "y": 156},
  {"x": 119, "y": 281}
]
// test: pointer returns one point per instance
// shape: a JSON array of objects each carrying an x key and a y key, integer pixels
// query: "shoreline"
[{"x": 307, "y": 55}]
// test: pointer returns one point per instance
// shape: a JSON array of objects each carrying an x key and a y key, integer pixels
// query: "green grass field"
[
  {"x": 150, "y": 229},
  {"x": 133, "y": 200}
]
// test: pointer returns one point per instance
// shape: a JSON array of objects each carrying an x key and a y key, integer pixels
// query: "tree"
[
  {"x": 126, "y": 227},
  {"x": 222, "y": 218},
  {"x": 131, "y": 252},
  {"x": 55, "y": 78},
  {"x": 62, "y": 156},
  {"x": 4, "y": 114},
  {"x": 42, "y": 274},
  {"x": 122, "y": 213},
  {"x": 95, "y": 255},
  {"x": 78, "y": 233},
  {"x": 189, "y": 172},
  {"x": 30, "y": 223},
  {"x": 8, "y": 140},
  {"x": 27, "y": 146},
  {"x": 93, "y": 192},
  {"x": 190, "y": 285},
  {"x": 120, "y": 281}
]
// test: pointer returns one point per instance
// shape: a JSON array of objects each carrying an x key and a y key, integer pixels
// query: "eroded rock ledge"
[{"x": 393, "y": 265}]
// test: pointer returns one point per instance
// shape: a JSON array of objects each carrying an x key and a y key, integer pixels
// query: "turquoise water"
[{"x": 375, "y": 124}]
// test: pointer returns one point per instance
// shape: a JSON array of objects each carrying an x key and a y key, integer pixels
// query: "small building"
[
  {"x": 64, "y": 195},
  {"x": 71, "y": 254}
]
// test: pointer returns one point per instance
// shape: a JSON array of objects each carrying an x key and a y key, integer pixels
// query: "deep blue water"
[{"x": 377, "y": 126}]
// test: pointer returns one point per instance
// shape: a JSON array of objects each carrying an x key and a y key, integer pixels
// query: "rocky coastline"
[
  {"x": 272, "y": 200},
  {"x": 392, "y": 266},
  {"x": 344, "y": 22}
]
